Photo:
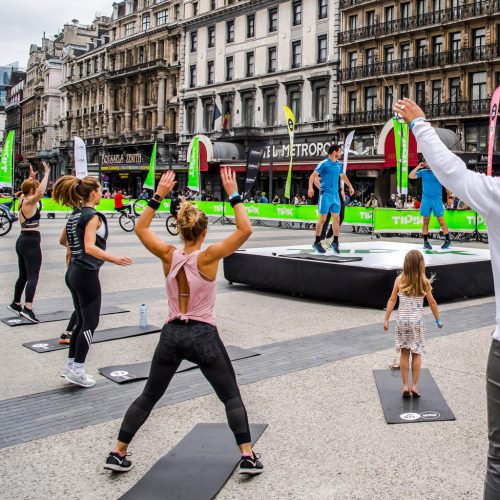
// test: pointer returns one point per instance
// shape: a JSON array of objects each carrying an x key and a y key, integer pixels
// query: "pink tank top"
[{"x": 201, "y": 291}]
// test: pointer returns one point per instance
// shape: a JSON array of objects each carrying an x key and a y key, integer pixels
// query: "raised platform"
[{"x": 363, "y": 274}]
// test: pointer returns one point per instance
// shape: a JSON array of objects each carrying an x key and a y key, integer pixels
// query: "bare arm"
[
  {"x": 391, "y": 303},
  {"x": 63, "y": 239},
  {"x": 348, "y": 182},
  {"x": 432, "y": 304},
  {"x": 35, "y": 198},
  {"x": 413, "y": 173},
  {"x": 312, "y": 180}
]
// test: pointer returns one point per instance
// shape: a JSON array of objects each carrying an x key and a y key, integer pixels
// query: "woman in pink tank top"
[{"x": 190, "y": 331}]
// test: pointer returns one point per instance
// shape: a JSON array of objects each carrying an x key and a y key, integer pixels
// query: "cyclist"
[
  {"x": 119, "y": 206},
  {"x": 175, "y": 204}
]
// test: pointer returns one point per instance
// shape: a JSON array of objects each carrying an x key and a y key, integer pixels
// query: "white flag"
[
  {"x": 347, "y": 146},
  {"x": 80, "y": 158}
]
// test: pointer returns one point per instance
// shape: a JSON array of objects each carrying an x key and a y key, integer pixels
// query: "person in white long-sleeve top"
[{"x": 482, "y": 193}]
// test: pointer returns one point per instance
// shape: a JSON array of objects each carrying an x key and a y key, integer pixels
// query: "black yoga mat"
[
  {"x": 56, "y": 316},
  {"x": 321, "y": 258},
  {"x": 122, "y": 374},
  {"x": 431, "y": 406},
  {"x": 121, "y": 332},
  {"x": 196, "y": 469}
]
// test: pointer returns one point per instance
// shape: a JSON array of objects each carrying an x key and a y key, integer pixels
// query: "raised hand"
[
  {"x": 45, "y": 166},
  {"x": 228, "y": 178},
  {"x": 166, "y": 184},
  {"x": 33, "y": 174},
  {"x": 408, "y": 110}
]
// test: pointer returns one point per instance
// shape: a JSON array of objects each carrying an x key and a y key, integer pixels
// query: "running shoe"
[
  {"x": 64, "y": 338},
  {"x": 335, "y": 247},
  {"x": 251, "y": 465},
  {"x": 65, "y": 371},
  {"x": 318, "y": 247},
  {"x": 15, "y": 308},
  {"x": 83, "y": 379},
  {"x": 427, "y": 245},
  {"x": 446, "y": 244},
  {"x": 29, "y": 315},
  {"x": 117, "y": 463}
]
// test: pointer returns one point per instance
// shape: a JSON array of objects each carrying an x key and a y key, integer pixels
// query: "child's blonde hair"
[{"x": 413, "y": 280}]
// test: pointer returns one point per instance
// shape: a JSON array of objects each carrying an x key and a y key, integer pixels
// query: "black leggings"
[
  {"x": 199, "y": 343},
  {"x": 29, "y": 258},
  {"x": 85, "y": 290},
  {"x": 72, "y": 322}
]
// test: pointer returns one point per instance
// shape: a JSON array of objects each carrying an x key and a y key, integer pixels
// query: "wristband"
[
  {"x": 234, "y": 201},
  {"x": 416, "y": 120},
  {"x": 234, "y": 195},
  {"x": 155, "y": 205}
]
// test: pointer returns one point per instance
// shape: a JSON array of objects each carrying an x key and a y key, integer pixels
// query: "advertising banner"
[
  {"x": 6, "y": 161},
  {"x": 80, "y": 150},
  {"x": 290, "y": 126},
  {"x": 194, "y": 166},
  {"x": 149, "y": 183},
  {"x": 254, "y": 160},
  {"x": 495, "y": 102}
]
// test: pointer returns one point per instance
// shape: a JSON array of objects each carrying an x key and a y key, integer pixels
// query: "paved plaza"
[{"x": 312, "y": 383}]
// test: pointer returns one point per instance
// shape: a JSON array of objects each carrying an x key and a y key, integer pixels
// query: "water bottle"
[{"x": 143, "y": 322}]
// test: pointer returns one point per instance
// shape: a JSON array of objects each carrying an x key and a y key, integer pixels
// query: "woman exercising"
[
  {"x": 85, "y": 234},
  {"x": 190, "y": 332}
]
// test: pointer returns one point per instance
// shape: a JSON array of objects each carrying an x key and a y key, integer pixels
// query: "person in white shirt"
[{"x": 482, "y": 193}]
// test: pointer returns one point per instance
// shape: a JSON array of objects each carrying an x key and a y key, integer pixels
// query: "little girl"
[{"x": 411, "y": 286}]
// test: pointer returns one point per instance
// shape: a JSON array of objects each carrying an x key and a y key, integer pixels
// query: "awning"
[{"x": 309, "y": 167}]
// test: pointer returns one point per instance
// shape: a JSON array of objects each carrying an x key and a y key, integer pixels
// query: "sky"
[{"x": 24, "y": 22}]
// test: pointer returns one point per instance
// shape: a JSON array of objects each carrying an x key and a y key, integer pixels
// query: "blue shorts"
[
  {"x": 432, "y": 204},
  {"x": 328, "y": 203}
]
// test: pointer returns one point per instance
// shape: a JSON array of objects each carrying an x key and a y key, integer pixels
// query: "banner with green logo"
[
  {"x": 194, "y": 165},
  {"x": 6, "y": 161},
  {"x": 290, "y": 126},
  {"x": 402, "y": 143},
  {"x": 149, "y": 183}
]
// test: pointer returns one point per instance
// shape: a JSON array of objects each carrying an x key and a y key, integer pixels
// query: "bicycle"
[
  {"x": 172, "y": 225},
  {"x": 6, "y": 219},
  {"x": 127, "y": 217}
]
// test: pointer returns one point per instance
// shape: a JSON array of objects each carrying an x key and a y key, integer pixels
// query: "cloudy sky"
[{"x": 24, "y": 21}]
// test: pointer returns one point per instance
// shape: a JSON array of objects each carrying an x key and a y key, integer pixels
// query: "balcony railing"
[
  {"x": 427, "y": 61},
  {"x": 397, "y": 26},
  {"x": 137, "y": 68},
  {"x": 439, "y": 110},
  {"x": 345, "y": 4}
]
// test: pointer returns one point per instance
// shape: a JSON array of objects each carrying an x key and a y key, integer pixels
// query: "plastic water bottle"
[{"x": 143, "y": 322}]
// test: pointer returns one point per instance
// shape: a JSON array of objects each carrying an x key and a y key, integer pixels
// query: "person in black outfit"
[
  {"x": 85, "y": 234},
  {"x": 327, "y": 231},
  {"x": 175, "y": 204},
  {"x": 29, "y": 253}
]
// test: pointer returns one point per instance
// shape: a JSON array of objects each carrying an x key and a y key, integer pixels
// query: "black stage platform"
[{"x": 363, "y": 274}]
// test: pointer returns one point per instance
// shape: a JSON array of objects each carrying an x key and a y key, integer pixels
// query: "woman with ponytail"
[
  {"x": 29, "y": 253},
  {"x": 85, "y": 234},
  {"x": 190, "y": 331}
]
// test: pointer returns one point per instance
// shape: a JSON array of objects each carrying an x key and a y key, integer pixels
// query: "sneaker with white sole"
[
  {"x": 15, "y": 308},
  {"x": 83, "y": 379},
  {"x": 251, "y": 465},
  {"x": 446, "y": 245},
  {"x": 29, "y": 315},
  {"x": 117, "y": 463},
  {"x": 65, "y": 371},
  {"x": 318, "y": 247},
  {"x": 427, "y": 246},
  {"x": 335, "y": 247}
]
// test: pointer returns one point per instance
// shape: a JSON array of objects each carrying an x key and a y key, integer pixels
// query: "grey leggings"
[
  {"x": 492, "y": 482},
  {"x": 199, "y": 343}
]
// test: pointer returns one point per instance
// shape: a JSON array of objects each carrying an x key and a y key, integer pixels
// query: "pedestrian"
[
  {"x": 276, "y": 200},
  {"x": 411, "y": 287},
  {"x": 85, "y": 234},
  {"x": 190, "y": 331},
  {"x": 263, "y": 198},
  {"x": 144, "y": 195},
  {"x": 29, "y": 252}
]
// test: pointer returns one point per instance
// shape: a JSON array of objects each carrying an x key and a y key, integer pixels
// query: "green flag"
[
  {"x": 149, "y": 183},
  {"x": 290, "y": 125},
  {"x": 402, "y": 142},
  {"x": 194, "y": 165},
  {"x": 6, "y": 161}
]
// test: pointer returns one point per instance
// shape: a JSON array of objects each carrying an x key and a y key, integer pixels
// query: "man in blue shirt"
[
  {"x": 330, "y": 170},
  {"x": 432, "y": 202}
]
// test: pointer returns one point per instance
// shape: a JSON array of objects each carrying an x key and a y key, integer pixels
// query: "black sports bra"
[{"x": 32, "y": 222}]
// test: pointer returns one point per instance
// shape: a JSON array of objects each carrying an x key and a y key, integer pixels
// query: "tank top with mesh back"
[
  {"x": 32, "y": 222},
  {"x": 202, "y": 292}
]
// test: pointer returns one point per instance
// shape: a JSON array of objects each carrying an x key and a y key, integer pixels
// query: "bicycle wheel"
[
  {"x": 127, "y": 222},
  {"x": 5, "y": 224},
  {"x": 139, "y": 206},
  {"x": 172, "y": 225}
]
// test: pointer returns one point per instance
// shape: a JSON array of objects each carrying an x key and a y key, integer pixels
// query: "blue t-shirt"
[
  {"x": 430, "y": 185},
  {"x": 330, "y": 172}
]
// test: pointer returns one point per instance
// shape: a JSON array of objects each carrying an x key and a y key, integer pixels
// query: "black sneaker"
[
  {"x": 117, "y": 463},
  {"x": 29, "y": 315},
  {"x": 65, "y": 338},
  {"x": 15, "y": 308},
  {"x": 251, "y": 465},
  {"x": 318, "y": 247}
]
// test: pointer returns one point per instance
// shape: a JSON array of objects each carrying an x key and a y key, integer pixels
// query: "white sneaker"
[
  {"x": 65, "y": 371},
  {"x": 83, "y": 379}
]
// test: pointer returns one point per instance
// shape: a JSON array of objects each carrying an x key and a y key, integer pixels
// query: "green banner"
[
  {"x": 194, "y": 165},
  {"x": 149, "y": 183},
  {"x": 402, "y": 142},
  {"x": 6, "y": 161}
]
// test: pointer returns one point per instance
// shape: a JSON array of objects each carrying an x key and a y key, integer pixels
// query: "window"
[
  {"x": 370, "y": 100},
  {"x": 454, "y": 93},
  {"x": 420, "y": 94},
  {"x": 130, "y": 28},
  {"x": 195, "y": 9},
  {"x": 192, "y": 76},
  {"x": 353, "y": 62},
  {"x": 436, "y": 5},
  {"x": 388, "y": 58},
  {"x": 404, "y": 91},
  {"x": 161, "y": 17},
  {"x": 251, "y": 26},
  {"x": 479, "y": 42},
  {"x": 436, "y": 96},
  {"x": 322, "y": 9},
  {"x": 296, "y": 54},
  {"x": 208, "y": 113},
  {"x": 87, "y": 67},
  {"x": 191, "y": 117},
  {"x": 370, "y": 18},
  {"x": 389, "y": 15},
  {"x": 271, "y": 60},
  {"x": 141, "y": 55},
  {"x": 248, "y": 110},
  {"x": 405, "y": 50},
  {"x": 273, "y": 19},
  {"x": 478, "y": 86},
  {"x": 295, "y": 100},
  {"x": 370, "y": 61},
  {"x": 297, "y": 13},
  {"x": 405, "y": 11},
  {"x": 210, "y": 72},
  {"x": 229, "y": 68},
  {"x": 322, "y": 48},
  {"x": 250, "y": 64},
  {"x": 211, "y": 37},
  {"x": 437, "y": 48},
  {"x": 320, "y": 96},
  {"x": 353, "y": 102},
  {"x": 230, "y": 31},
  {"x": 421, "y": 51},
  {"x": 194, "y": 41},
  {"x": 388, "y": 98},
  {"x": 476, "y": 138},
  {"x": 177, "y": 11},
  {"x": 270, "y": 108},
  {"x": 455, "y": 39},
  {"x": 420, "y": 8},
  {"x": 213, "y": 4},
  {"x": 353, "y": 23},
  {"x": 146, "y": 21}
]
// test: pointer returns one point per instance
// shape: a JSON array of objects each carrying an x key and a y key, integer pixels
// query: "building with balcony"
[
  {"x": 5, "y": 78},
  {"x": 243, "y": 61}
]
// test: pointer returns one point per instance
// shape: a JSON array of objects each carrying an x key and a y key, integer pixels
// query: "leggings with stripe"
[{"x": 85, "y": 290}]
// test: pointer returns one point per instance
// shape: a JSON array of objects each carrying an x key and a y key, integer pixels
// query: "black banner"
[{"x": 254, "y": 159}]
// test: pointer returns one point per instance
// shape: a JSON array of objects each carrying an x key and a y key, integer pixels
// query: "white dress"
[{"x": 410, "y": 330}]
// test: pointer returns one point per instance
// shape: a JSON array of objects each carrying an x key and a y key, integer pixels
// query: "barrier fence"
[{"x": 380, "y": 220}]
